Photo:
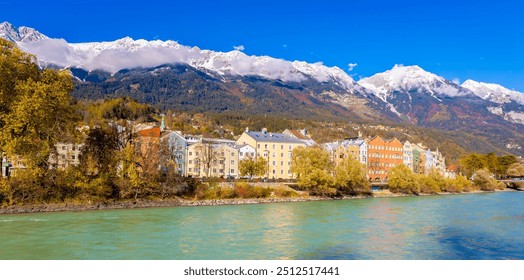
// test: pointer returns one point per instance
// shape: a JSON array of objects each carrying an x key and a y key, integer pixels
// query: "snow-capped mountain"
[
  {"x": 403, "y": 86},
  {"x": 493, "y": 92},
  {"x": 127, "y": 53},
  {"x": 509, "y": 103},
  {"x": 410, "y": 78},
  {"x": 22, "y": 34}
]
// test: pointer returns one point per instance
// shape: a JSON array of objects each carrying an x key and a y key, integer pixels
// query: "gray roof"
[{"x": 260, "y": 136}]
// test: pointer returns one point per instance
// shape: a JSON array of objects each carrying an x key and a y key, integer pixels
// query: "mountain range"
[{"x": 174, "y": 76}]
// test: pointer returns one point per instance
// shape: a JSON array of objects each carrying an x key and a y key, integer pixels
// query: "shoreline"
[{"x": 179, "y": 202}]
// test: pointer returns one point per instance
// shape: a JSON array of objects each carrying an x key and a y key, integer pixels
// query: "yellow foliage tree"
[
  {"x": 351, "y": 178},
  {"x": 403, "y": 180},
  {"x": 312, "y": 167}
]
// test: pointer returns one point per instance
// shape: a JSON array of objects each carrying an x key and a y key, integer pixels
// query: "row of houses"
[
  {"x": 380, "y": 155},
  {"x": 197, "y": 156}
]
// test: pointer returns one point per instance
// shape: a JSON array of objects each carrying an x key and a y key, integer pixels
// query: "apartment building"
[
  {"x": 276, "y": 148},
  {"x": 384, "y": 154},
  {"x": 212, "y": 159},
  {"x": 407, "y": 150}
]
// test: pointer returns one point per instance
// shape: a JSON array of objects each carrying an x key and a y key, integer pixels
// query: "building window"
[
  {"x": 273, "y": 154},
  {"x": 214, "y": 170},
  {"x": 281, "y": 154},
  {"x": 232, "y": 170},
  {"x": 265, "y": 146},
  {"x": 221, "y": 170},
  {"x": 190, "y": 161},
  {"x": 282, "y": 172},
  {"x": 190, "y": 169},
  {"x": 232, "y": 154},
  {"x": 232, "y": 162},
  {"x": 281, "y": 147}
]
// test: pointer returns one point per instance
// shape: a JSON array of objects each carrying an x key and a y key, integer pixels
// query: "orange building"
[
  {"x": 147, "y": 145},
  {"x": 383, "y": 154}
]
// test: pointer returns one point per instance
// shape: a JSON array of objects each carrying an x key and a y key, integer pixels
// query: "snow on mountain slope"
[
  {"x": 127, "y": 53},
  {"x": 22, "y": 34},
  {"x": 511, "y": 112},
  {"x": 408, "y": 78},
  {"x": 493, "y": 92}
]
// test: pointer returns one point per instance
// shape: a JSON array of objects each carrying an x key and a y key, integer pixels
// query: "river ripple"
[{"x": 469, "y": 226}]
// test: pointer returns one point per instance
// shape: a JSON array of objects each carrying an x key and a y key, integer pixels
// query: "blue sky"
[{"x": 480, "y": 40}]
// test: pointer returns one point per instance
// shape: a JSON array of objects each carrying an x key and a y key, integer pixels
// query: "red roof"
[
  {"x": 452, "y": 168},
  {"x": 152, "y": 132}
]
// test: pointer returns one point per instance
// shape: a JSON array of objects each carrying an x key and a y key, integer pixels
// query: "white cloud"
[
  {"x": 239, "y": 47},
  {"x": 284, "y": 45},
  {"x": 127, "y": 53},
  {"x": 351, "y": 66}
]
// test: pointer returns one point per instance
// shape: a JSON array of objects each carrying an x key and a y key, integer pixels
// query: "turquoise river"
[{"x": 468, "y": 226}]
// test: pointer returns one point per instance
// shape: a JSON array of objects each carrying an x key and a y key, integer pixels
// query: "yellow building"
[
  {"x": 276, "y": 148},
  {"x": 212, "y": 160},
  {"x": 342, "y": 152}
]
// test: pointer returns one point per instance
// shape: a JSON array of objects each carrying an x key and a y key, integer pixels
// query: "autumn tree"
[
  {"x": 403, "y": 180},
  {"x": 351, "y": 177},
  {"x": 206, "y": 155},
  {"x": 516, "y": 170},
  {"x": 253, "y": 167},
  {"x": 504, "y": 163},
  {"x": 484, "y": 180},
  {"x": 99, "y": 151},
  {"x": 471, "y": 163},
  {"x": 35, "y": 106},
  {"x": 312, "y": 166}
]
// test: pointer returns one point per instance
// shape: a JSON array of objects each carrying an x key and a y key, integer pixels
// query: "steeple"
[{"x": 163, "y": 123}]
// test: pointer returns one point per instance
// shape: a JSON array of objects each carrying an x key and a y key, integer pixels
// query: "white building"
[{"x": 408, "y": 154}]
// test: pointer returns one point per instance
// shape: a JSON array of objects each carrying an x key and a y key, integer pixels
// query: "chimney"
[{"x": 247, "y": 129}]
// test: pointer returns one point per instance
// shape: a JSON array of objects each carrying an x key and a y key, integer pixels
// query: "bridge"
[{"x": 514, "y": 184}]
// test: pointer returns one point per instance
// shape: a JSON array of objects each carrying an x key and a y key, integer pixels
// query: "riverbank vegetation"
[
  {"x": 403, "y": 180},
  {"x": 316, "y": 173}
]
